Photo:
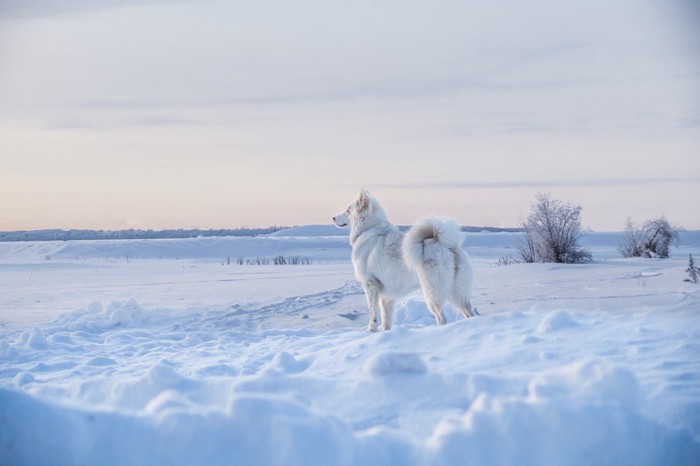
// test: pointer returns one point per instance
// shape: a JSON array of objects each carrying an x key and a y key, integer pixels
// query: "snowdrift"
[{"x": 567, "y": 365}]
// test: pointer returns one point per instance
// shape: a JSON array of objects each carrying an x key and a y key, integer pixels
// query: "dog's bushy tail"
[{"x": 444, "y": 232}]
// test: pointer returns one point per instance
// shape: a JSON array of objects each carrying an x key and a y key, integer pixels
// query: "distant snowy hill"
[
  {"x": 72, "y": 235},
  {"x": 311, "y": 230}
]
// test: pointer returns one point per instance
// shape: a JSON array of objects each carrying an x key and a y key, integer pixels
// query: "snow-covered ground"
[{"x": 170, "y": 352}]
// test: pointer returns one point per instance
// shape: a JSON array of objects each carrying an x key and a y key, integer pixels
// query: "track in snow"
[{"x": 294, "y": 307}]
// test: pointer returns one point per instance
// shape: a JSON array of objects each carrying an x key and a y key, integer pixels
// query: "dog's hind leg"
[
  {"x": 434, "y": 294},
  {"x": 437, "y": 312},
  {"x": 372, "y": 288},
  {"x": 466, "y": 307},
  {"x": 461, "y": 300},
  {"x": 387, "y": 309},
  {"x": 435, "y": 307}
]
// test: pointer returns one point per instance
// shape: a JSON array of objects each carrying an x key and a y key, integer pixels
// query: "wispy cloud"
[
  {"x": 105, "y": 125},
  {"x": 544, "y": 184},
  {"x": 42, "y": 8},
  {"x": 345, "y": 90}
]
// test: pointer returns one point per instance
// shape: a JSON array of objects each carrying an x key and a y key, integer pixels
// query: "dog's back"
[{"x": 377, "y": 255}]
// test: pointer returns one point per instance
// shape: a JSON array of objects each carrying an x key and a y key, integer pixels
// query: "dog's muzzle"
[{"x": 340, "y": 221}]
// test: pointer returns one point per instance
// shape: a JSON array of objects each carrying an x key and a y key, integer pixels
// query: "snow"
[
  {"x": 163, "y": 352},
  {"x": 311, "y": 231}
]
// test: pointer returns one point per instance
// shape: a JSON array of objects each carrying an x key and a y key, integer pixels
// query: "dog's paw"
[{"x": 372, "y": 326}]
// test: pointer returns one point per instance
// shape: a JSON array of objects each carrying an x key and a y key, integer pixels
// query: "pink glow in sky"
[{"x": 169, "y": 114}]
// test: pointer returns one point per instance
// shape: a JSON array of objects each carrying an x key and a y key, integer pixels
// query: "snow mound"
[
  {"x": 586, "y": 381},
  {"x": 252, "y": 430},
  {"x": 588, "y": 407},
  {"x": 287, "y": 363},
  {"x": 555, "y": 321},
  {"x": 37, "y": 339},
  {"x": 95, "y": 318},
  {"x": 384, "y": 364},
  {"x": 414, "y": 311}
]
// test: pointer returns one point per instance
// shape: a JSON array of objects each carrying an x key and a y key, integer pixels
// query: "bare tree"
[
  {"x": 653, "y": 239},
  {"x": 632, "y": 244},
  {"x": 552, "y": 232}
]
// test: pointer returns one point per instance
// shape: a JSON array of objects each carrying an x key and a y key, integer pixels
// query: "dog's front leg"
[
  {"x": 372, "y": 294},
  {"x": 387, "y": 307}
]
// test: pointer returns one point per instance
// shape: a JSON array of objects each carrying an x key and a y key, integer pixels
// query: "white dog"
[{"x": 390, "y": 264}]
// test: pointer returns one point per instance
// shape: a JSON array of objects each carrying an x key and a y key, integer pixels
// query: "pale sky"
[{"x": 211, "y": 113}]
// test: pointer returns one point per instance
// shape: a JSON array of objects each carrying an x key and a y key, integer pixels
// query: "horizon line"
[{"x": 582, "y": 183}]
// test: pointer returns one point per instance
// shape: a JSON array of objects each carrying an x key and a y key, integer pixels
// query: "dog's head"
[{"x": 358, "y": 210}]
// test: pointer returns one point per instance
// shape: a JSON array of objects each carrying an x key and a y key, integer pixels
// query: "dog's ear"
[{"x": 363, "y": 200}]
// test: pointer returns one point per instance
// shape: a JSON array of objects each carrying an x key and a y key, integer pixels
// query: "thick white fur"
[{"x": 391, "y": 265}]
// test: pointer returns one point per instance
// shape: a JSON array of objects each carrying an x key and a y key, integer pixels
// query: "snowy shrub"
[
  {"x": 258, "y": 261},
  {"x": 277, "y": 260},
  {"x": 632, "y": 244},
  {"x": 552, "y": 233},
  {"x": 291, "y": 260},
  {"x": 653, "y": 239},
  {"x": 692, "y": 270},
  {"x": 659, "y": 236},
  {"x": 505, "y": 261}
]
